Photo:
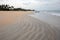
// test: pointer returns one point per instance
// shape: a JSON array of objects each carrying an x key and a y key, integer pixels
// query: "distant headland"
[{"x": 6, "y": 7}]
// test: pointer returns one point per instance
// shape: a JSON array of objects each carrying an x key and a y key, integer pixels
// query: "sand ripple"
[{"x": 28, "y": 28}]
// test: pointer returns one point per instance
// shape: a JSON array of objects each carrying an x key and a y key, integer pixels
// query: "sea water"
[{"x": 52, "y": 12}]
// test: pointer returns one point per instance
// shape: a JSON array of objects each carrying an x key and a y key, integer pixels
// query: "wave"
[
  {"x": 56, "y": 14},
  {"x": 45, "y": 12}
]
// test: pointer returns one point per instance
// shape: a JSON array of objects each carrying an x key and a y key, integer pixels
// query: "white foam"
[{"x": 56, "y": 14}]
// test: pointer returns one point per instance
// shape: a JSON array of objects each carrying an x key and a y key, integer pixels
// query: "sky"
[{"x": 34, "y": 4}]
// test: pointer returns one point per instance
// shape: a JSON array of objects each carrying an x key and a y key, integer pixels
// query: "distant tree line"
[{"x": 11, "y": 8}]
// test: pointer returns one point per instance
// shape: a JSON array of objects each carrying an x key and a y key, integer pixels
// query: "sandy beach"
[{"x": 17, "y": 25}]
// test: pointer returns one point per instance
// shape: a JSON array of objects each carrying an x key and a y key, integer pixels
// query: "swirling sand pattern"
[{"x": 28, "y": 28}]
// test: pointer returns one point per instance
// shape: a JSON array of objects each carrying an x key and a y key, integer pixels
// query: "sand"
[{"x": 17, "y": 25}]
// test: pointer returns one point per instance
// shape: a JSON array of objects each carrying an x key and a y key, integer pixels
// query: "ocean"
[{"x": 51, "y": 12}]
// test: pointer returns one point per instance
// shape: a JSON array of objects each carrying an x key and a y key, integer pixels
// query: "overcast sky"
[{"x": 34, "y": 4}]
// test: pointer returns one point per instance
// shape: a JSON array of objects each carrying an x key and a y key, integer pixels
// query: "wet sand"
[{"x": 17, "y": 25}]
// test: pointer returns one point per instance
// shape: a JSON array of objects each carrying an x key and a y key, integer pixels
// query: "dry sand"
[{"x": 16, "y": 25}]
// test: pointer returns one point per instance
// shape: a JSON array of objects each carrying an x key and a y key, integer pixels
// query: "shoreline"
[{"x": 48, "y": 18}]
